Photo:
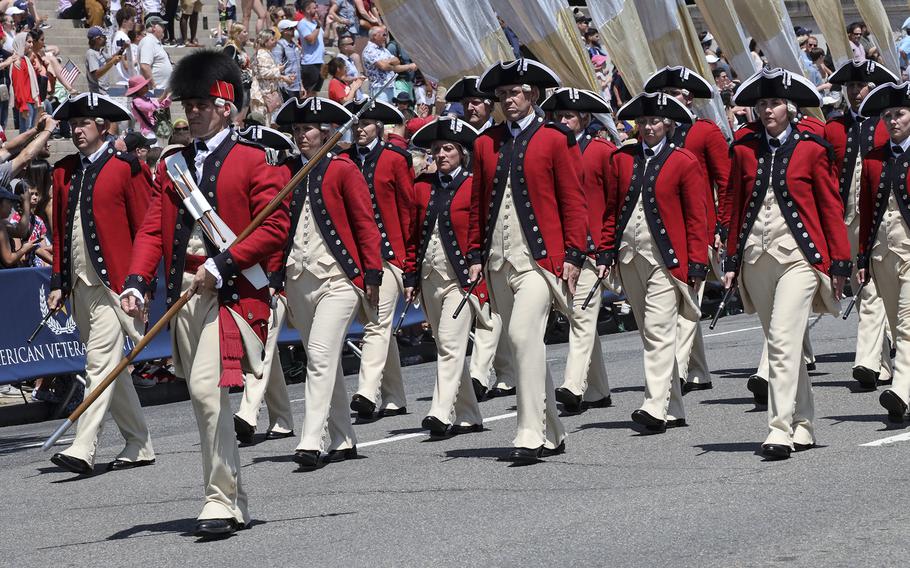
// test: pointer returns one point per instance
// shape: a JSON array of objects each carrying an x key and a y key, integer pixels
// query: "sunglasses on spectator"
[{"x": 182, "y": 128}]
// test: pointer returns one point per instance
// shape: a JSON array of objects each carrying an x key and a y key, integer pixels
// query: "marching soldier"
[
  {"x": 334, "y": 271},
  {"x": 437, "y": 269},
  {"x": 885, "y": 229},
  {"x": 390, "y": 178},
  {"x": 787, "y": 243},
  {"x": 585, "y": 382},
  {"x": 705, "y": 140},
  {"x": 489, "y": 352},
  {"x": 853, "y": 136},
  {"x": 100, "y": 199},
  {"x": 222, "y": 329},
  {"x": 527, "y": 234},
  {"x": 273, "y": 388},
  {"x": 655, "y": 233}
]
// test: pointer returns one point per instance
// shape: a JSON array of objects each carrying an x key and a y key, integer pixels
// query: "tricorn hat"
[
  {"x": 380, "y": 111},
  {"x": 578, "y": 100},
  {"x": 446, "y": 128},
  {"x": 862, "y": 72},
  {"x": 517, "y": 72},
  {"x": 314, "y": 110},
  {"x": 679, "y": 77},
  {"x": 267, "y": 137},
  {"x": 777, "y": 83},
  {"x": 654, "y": 104},
  {"x": 91, "y": 105},
  {"x": 466, "y": 88},
  {"x": 885, "y": 96},
  {"x": 207, "y": 74}
]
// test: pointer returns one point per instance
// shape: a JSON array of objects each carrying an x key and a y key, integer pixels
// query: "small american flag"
[{"x": 70, "y": 72}]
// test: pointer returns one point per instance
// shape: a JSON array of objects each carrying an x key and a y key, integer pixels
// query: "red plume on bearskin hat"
[{"x": 207, "y": 74}]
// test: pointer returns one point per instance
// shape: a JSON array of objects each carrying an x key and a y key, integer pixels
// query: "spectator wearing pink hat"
[{"x": 143, "y": 105}]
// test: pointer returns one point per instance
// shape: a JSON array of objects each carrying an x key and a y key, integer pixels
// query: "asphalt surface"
[{"x": 695, "y": 496}]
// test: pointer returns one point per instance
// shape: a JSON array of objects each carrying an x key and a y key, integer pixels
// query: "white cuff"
[
  {"x": 134, "y": 293},
  {"x": 212, "y": 269}
]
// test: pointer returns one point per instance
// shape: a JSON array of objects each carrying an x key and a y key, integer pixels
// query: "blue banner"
[{"x": 57, "y": 349}]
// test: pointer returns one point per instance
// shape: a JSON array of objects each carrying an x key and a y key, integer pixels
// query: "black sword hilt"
[
  {"x": 404, "y": 312},
  {"x": 467, "y": 294},
  {"x": 721, "y": 306},
  {"x": 594, "y": 290},
  {"x": 853, "y": 301}
]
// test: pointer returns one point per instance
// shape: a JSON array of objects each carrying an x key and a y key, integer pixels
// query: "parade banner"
[
  {"x": 623, "y": 35},
  {"x": 829, "y": 16},
  {"x": 876, "y": 19},
  {"x": 447, "y": 39},
  {"x": 57, "y": 349},
  {"x": 673, "y": 41},
  {"x": 728, "y": 32},
  {"x": 547, "y": 28},
  {"x": 770, "y": 26}
]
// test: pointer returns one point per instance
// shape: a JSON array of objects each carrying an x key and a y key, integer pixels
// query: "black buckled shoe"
[
  {"x": 546, "y": 452},
  {"x": 244, "y": 430},
  {"x": 480, "y": 391},
  {"x": 437, "y": 427},
  {"x": 775, "y": 451},
  {"x": 604, "y": 402},
  {"x": 650, "y": 423},
  {"x": 525, "y": 455},
  {"x": 71, "y": 464},
  {"x": 386, "y": 412},
  {"x": 457, "y": 430},
  {"x": 335, "y": 456},
  {"x": 689, "y": 386},
  {"x": 570, "y": 401},
  {"x": 307, "y": 459},
  {"x": 363, "y": 406},
  {"x": 496, "y": 392},
  {"x": 866, "y": 377},
  {"x": 119, "y": 464},
  {"x": 896, "y": 407},
  {"x": 216, "y": 528},
  {"x": 759, "y": 389},
  {"x": 273, "y": 435}
]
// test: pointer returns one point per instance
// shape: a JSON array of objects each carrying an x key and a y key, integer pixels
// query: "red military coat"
[
  {"x": 804, "y": 124},
  {"x": 672, "y": 189},
  {"x": 340, "y": 201},
  {"x": 544, "y": 163},
  {"x": 878, "y": 170},
  {"x": 808, "y": 199},
  {"x": 114, "y": 199},
  {"x": 851, "y": 140},
  {"x": 450, "y": 208},
  {"x": 238, "y": 183},
  {"x": 706, "y": 142},
  {"x": 595, "y": 160},
  {"x": 390, "y": 178}
]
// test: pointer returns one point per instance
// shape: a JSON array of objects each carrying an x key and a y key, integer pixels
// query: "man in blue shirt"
[
  {"x": 310, "y": 33},
  {"x": 287, "y": 55}
]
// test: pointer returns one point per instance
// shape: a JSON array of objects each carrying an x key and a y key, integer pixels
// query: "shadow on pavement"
[
  {"x": 730, "y": 447},
  {"x": 881, "y": 418}
]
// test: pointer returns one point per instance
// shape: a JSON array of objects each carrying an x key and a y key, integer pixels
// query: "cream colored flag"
[
  {"x": 674, "y": 41},
  {"x": 622, "y": 34},
  {"x": 770, "y": 26},
  {"x": 447, "y": 39},
  {"x": 829, "y": 16},
  {"x": 728, "y": 33},
  {"x": 876, "y": 19},
  {"x": 547, "y": 28}
]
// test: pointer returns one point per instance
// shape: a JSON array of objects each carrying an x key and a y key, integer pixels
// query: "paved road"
[{"x": 696, "y": 496}]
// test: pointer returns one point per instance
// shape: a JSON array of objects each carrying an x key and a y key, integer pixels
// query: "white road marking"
[
  {"x": 402, "y": 437},
  {"x": 888, "y": 441},
  {"x": 733, "y": 331},
  {"x": 11, "y": 448}
]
